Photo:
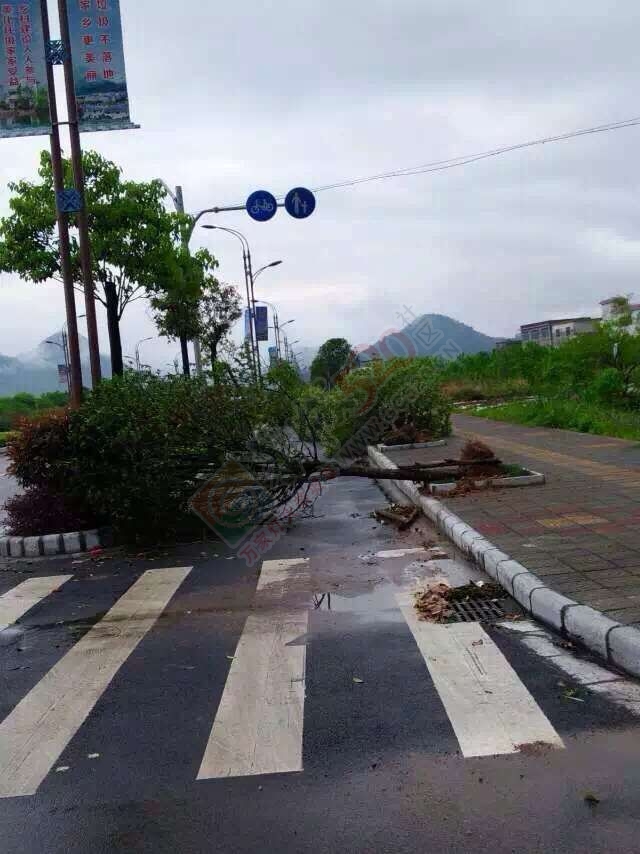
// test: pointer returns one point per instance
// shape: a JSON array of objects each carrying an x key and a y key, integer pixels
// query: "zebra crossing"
[{"x": 256, "y": 724}]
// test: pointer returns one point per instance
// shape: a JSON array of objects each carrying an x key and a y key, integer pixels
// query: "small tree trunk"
[
  {"x": 184, "y": 348},
  {"x": 213, "y": 349},
  {"x": 113, "y": 323}
]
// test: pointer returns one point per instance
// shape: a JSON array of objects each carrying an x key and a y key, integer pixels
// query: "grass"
[
  {"x": 23, "y": 404},
  {"x": 485, "y": 389},
  {"x": 567, "y": 415},
  {"x": 3, "y": 438}
]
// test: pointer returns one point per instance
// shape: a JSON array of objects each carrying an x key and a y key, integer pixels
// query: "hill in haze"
[
  {"x": 36, "y": 371},
  {"x": 431, "y": 335}
]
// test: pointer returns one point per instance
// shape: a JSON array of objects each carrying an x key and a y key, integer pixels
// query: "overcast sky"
[{"x": 237, "y": 96}]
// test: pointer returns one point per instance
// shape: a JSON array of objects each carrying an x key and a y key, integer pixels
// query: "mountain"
[
  {"x": 431, "y": 335},
  {"x": 36, "y": 371}
]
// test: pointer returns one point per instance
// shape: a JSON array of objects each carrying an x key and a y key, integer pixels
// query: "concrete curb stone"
[
  {"x": 32, "y": 546},
  {"x": 70, "y": 543},
  {"x": 591, "y": 627},
  {"x": 617, "y": 643}
]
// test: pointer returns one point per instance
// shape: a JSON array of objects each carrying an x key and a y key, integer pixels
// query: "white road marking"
[
  {"x": 490, "y": 709},
  {"x": 34, "y": 735},
  {"x": 391, "y": 553},
  {"x": 259, "y": 723},
  {"x": 593, "y": 676},
  {"x": 22, "y": 598}
]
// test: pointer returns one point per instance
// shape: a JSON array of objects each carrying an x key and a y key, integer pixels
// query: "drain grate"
[{"x": 480, "y": 610}]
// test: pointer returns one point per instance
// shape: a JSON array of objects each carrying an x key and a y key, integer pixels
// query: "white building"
[
  {"x": 551, "y": 333},
  {"x": 614, "y": 306}
]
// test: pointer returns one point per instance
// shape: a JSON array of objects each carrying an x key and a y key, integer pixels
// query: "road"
[
  {"x": 184, "y": 702},
  {"x": 8, "y": 486}
]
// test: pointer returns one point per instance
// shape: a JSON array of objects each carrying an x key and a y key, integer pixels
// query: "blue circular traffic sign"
[
  {"x": 300, "y": 203},
  {"x": 262, "y": 205}
]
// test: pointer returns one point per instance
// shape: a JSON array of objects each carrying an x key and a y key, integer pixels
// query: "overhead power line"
[{"x": 463, "y": 160}]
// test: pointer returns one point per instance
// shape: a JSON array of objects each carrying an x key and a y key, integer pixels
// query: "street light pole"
[
  {"x": 81, "y": 216},
  {"x": 276, "y": 323},
  {"x": 65, "y": 352},
  {"x": 142, "y": 340},
  {"x": 75, "y": 385},
  {"x": 248, "y": 281},
  {"x": 273, "y": 308},
  {"x": 286, "y": 323}
]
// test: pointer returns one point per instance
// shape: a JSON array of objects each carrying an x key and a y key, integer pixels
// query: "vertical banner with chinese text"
[
  {"x": 98, "y": 65},
  {"x": 24, "y": 99}
]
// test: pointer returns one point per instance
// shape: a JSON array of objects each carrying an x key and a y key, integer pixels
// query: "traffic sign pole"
[
  {"x": 63, "y": 228},
  {"x": 81, "y": 217}
]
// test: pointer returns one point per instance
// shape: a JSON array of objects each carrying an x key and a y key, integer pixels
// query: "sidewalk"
[{"x": 580, "y": 532}]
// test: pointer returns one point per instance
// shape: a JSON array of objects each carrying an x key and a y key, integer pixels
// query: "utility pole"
[
  {"x": 178, "y": 202},
  {"x": 82, "y": 217},
  {"x": 75, "y": 394}
]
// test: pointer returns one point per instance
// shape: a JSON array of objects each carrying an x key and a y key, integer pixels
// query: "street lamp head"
[
  {"x": 210, "y": 227},
  {"x": 274, "y": 264}
]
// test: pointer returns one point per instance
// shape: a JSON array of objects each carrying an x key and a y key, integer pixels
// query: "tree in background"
[
  {"x": 219, "y": 310},
  {"x": 191, "y": 304},
  {"x": 335, "y": 358},
  {"x": 132, "y": 237}
]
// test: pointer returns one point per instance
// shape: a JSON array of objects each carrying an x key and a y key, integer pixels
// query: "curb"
[
  {"x": 438, "y": 443},
  {"x": 52, "y": 544},
  {"x": 536, "y": 478},
  {"x": 617, "y": 643}
]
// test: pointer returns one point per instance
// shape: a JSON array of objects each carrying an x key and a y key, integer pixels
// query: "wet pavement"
[
  {"x": 379, "y": 728},
  {"x": 579, "y": 532}
]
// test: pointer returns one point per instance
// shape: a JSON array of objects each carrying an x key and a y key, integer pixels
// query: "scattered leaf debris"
[
  {"x": 534, "y": 748},
  {"x": 434, "y": 602},
  {"x": 591, "y": 799},
  {"x": 401, "y": 515},
  {"x": 357, "y": 680}
]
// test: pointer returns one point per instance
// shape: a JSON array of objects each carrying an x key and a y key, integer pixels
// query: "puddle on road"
[{"x": 372, "y": 606}]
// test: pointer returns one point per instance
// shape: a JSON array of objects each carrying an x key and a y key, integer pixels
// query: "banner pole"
[
  {"x": 79, "y": 181},
  {"x": 63, "y": 226}
]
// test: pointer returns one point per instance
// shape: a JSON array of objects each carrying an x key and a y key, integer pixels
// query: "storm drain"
[{"x": 481, "y": 610}]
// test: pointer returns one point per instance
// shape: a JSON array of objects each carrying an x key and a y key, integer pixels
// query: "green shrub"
[
  {"x": 139, "y": 442},
  {"x": 608, "y": 388},
  {"x": 132, "y": 452},
  {"x": 39, "y": 450},
  {"x": 40, "y": 511},
  {"x": 383, "y": 395}
]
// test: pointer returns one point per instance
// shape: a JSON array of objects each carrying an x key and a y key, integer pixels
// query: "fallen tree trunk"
[
  {"x": 490, "y": 461},
  {"x": 404, "y": 473}
]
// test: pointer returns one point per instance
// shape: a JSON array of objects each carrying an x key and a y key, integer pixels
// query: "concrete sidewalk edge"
[
  {"x": 46, "y": 545},
  {"x": 617, "y": 643}
]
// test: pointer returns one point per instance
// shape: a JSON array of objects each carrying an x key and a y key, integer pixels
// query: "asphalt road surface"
[{"x": 184, "y": 702}]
